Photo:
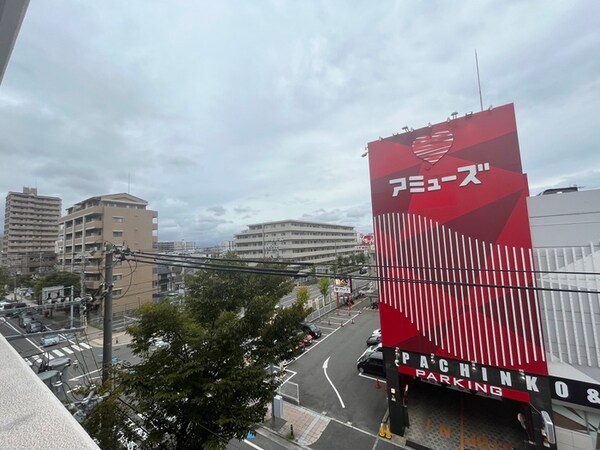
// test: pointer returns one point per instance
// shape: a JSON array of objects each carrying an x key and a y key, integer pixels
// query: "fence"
[{"x": 318, "y": 313}]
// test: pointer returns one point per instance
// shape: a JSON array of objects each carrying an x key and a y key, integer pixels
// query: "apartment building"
[
  {"x": 30, "y": 230},
  {"x": 176, "y": 246},
  {"x": 296, "y": 240},
  {"x": 118, "y": 219}
]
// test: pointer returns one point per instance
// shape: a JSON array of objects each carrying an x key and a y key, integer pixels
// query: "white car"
[
  {"x": 371, "y": 349},
  {"x": 47, "y": 341},
  {"x": 159, "y": 343}
]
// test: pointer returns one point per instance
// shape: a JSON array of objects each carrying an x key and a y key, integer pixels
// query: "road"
[
  {"x": 363, "y": 405},
  {"x": 85, "y": 354},
  {"x": 315, "y": 294}
]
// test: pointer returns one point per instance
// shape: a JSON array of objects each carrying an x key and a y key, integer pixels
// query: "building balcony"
[{"x": 92, "y": 224}]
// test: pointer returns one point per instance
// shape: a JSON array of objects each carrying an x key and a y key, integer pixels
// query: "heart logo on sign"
[{"x": 432, "y": 148}]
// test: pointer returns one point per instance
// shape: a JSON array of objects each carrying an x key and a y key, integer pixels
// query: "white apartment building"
[
  {"x": 176, "y": 246},
  {"x": 296, "y": 240}
]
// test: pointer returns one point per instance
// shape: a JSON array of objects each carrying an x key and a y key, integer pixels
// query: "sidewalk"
[
  {"x": 314, "y": 430},
  {"x": 307, "y": 425},
  {"x": 96, "y": 337}
]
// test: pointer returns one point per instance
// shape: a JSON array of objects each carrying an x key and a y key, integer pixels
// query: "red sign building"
[{"x": 453, "y": 250}]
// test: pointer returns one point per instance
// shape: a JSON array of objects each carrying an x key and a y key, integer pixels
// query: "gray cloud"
[{"x": 217, "y": 210}]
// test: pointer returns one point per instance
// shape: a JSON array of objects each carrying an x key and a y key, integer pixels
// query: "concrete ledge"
[{"x": 32, "y": 417}]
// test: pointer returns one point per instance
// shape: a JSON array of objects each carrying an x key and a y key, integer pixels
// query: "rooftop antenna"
[{"x": 478, "y": 81}]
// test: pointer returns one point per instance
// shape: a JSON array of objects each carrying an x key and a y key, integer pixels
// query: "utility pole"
[
  {"x": 82, "y": 277},
  {"x": 72, "y": 300},
  {"x": 107, "y": 344}
]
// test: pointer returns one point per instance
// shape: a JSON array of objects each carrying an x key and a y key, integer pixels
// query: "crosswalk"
[{"x": 59, "y": 353}]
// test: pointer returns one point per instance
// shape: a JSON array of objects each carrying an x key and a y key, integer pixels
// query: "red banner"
[{"x": 453, "y": 242}]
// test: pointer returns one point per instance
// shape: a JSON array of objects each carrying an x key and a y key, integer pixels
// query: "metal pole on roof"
[{"x": 478, "y": 81}]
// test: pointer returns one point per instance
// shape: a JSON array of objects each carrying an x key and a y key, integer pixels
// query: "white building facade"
[
  {"x": 565, "y": 231},
  {"x": 296, "y": 240}
]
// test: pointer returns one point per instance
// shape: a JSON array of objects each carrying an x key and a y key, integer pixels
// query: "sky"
[{"x": 222, "y": 114}]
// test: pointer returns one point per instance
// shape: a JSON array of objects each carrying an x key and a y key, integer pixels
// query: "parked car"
[
  {"x": 34, "y": 327},
  {"x": 376, "y": 348},
  {"x": 311, "y": 329},
  {"x": 371, "y": 349},
  {"x": 159, "y": 343},
  {"x": 371, "y": 362},
  {"x": 307, "y": 341},
  {"x": 375, "y": 338}
]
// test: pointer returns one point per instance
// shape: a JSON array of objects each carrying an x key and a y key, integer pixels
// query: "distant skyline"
[{"x": 224, "y": 114}]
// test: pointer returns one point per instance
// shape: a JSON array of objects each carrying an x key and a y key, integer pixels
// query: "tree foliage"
[
  {"x": 5, "y": 282},
  {"x": 324, "y": 284},
  {"x": 302, "y": 294},
  {"x": 109, "y": 422},
  {"x": 214, "y": 381}
]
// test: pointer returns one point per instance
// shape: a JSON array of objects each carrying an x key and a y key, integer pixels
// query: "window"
[
  {"x": 117, "y": 219},
  {"x": 117, "y": 277},
  {"x": 117, "y": 292},
  {"x": 117, "y": 234}
]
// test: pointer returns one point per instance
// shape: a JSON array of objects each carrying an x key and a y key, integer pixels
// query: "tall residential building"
[
  {"x": 118, "y": 219},
  {"x": 30, "y": 231},
  {"x": 296, "y": 240}
]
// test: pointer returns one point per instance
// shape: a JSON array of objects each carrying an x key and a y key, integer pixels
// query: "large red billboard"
[{"x": 453, "y": 243}]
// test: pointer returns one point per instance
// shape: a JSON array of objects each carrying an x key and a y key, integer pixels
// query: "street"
[{"x": 359, "y": 402}]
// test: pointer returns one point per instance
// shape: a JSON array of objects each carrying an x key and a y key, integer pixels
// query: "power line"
[
  {"x": 293, "y": 273},
  {"x": 168, "y": 258}
]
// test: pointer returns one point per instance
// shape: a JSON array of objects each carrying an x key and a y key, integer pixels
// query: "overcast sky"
[{"x": 221, "y": 114}]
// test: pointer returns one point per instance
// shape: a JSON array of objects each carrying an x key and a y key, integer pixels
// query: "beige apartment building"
[
  {"x": 30, "y": 230},
  {"x": 123, "y": 221},
  {"x": 296, "y": 240}
]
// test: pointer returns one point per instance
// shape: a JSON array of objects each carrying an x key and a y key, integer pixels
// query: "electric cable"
[
  {"x": 254, "y": 270},
  {"x": 387, "y": 266}
]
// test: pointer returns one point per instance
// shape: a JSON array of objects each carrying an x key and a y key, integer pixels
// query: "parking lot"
[{"x": 441, "y": 418}]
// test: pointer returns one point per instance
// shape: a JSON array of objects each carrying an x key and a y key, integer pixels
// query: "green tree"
[
  {"x": 214, "y": 381},
  {"x": 324, "y": 284},
  {"x": 302, "y": 295},
  {"x": 65, "y": 279},
  {"x": 352, "y": 259},
  {"x": 360, "y": 258},
  {"x": 5, "y": 282}
]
